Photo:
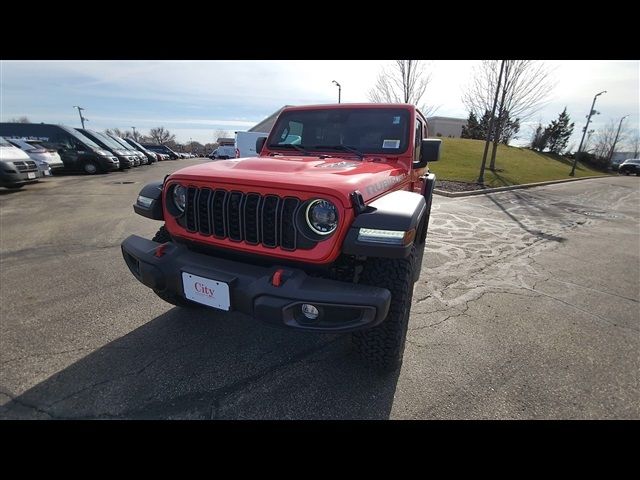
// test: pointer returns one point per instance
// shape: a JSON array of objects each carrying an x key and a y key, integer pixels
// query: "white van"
[
  {"x": 223, "y": 152},
  {"x": 47, "y": 159},
  {"x": 246, "y": 143}
]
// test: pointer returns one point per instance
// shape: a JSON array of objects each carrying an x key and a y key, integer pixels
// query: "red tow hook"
[
  {"x": 160, "y": 250},
  {"x": 276, "y": 280}
]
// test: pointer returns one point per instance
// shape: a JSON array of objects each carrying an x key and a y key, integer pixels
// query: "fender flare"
[
  {"x": 399, "y": 210},
  {"x": 153, "y": 191}
]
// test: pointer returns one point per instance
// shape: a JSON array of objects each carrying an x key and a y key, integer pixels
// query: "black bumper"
[{"x": 343, "y": 306}]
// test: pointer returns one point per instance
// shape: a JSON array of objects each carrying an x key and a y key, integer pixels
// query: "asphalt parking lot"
[{"x": 527, "y": 307}]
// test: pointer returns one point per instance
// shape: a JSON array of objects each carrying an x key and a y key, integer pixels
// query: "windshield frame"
[{"x": 391, "y": 110}]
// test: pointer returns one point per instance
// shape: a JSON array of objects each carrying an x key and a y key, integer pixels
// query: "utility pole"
[
  {"x": 339, "y": 89},
  {"x": 490, "y": 129},
  {"x": 584, "y": 131},
  {"x": 82, "y": 119},
  {"x": 616, "y": 139}
]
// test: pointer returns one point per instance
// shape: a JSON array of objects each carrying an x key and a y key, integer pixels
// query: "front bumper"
[
  {"x": 109, "y": 164},
  {"x": 343, "y": 306},
  {"x": 20, "y": 178}
]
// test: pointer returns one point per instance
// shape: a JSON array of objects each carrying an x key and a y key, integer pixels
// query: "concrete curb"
[{"x": 511, "y": 187}]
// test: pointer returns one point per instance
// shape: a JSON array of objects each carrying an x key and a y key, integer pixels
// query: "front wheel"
[
  {"x": 383, "y": 345},
  {"x": 90, "y": 168}
]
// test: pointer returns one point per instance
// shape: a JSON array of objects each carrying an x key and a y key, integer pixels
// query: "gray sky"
[{"x": 194, "y": 98}]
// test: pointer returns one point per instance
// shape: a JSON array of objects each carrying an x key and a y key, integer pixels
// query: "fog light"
[{"x": 310, "y": 311}]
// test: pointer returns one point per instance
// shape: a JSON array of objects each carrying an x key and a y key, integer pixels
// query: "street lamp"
[
  {"x": 339, "y": 89},
  {"x": 616, "y": 139},
  {"x": 584, "y": 131},
  {"x": 135, "y": 137},
  {"x": 82, "y": 119}
]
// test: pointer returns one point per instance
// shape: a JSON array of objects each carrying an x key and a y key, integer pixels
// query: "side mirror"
[
  {"x": 259, "y": 144},
  {"x": 429, "y": 152}
]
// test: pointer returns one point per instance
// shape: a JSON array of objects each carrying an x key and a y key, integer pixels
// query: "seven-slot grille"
[
  {"x": 27, "y": 166},
  {"x": 256, "y": 219}
]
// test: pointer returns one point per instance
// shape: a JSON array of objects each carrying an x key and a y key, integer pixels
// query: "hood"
[{"x": 331, "y": 175}]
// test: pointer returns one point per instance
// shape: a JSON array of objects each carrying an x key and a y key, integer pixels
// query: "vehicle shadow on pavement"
[{"x": 202, "y": 364}]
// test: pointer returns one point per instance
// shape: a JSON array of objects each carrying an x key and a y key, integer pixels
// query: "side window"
[
  {"x": 419, "y": 132},
  {"x": 292, "y": 134}
]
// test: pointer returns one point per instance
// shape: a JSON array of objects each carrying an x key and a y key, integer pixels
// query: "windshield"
[
  {"x": 5, "y": 143},
  {"x": 121, "y": 142},
  {"x": 132, "y": 142},
  {"x": 107, "y": 140},
  {"x": 367, "y": 130},
  {"x": 82, "y": 138}
]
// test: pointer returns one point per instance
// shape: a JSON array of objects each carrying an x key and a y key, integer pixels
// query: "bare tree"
[
  {"x": 605, "y": 138},
  {"x": 633, "y": 143},
  {"x": 220, "y": 133},
  {"x": 405, "y": 81},
  {"x": 118, "y": 133},
  {"x": 526, "y": 84},
  {"x": 161, "y": 135},
  {"x": 19, "y": 120}
]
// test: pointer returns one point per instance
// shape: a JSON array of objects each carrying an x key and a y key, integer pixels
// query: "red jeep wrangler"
[{"x": 323, "y": 231}]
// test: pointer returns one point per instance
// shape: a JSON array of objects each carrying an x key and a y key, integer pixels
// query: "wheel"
[
  {"x": 90, "y": 168},
  {"x": 383, "y": 345},
  {"x": 162, "y": 236}
]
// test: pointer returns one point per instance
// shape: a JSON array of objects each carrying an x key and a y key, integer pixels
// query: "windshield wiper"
[
  {"x": 341, "y": 147},
  {"x": 292, "y": 145}
]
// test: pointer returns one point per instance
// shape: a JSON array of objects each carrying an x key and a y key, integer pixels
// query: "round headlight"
[
  {"x": 179, "y": 197},
  {"x": 322, "y": 216}
]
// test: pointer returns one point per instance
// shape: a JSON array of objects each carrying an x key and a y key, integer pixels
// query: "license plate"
[
  {"x": 206, "y": 291},
  {"x": 31, "y": 175},
  {"x": 47, "y": 173}
]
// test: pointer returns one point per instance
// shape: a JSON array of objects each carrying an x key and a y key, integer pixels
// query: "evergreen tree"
[
  {"x": 558, "y": 132},
  {"x": 509, "y": 129},
  {"x": 539, "y": 139},
  {"x": 483, "y": 126},
  {"x": 471, "y": 129}
]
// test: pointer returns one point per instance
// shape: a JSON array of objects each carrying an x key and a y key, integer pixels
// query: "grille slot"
[
  {"x": 234, "y": 213},
  {"x": 190, "y": 209},
  {"x": 287, "y": 225},
  {"x": 243, "y": 217},
  {"x": 270, "y": 221}
]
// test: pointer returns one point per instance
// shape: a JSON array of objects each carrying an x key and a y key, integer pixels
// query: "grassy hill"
[{"x": 461, "y": 158}]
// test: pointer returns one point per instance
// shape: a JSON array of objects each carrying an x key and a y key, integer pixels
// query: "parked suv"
[
  {"x": 629, "y": 166},
  {"x": 78, "y": 152},
  {"x": 324, "y": 231},
  {"x": 16, "y": 168},
  {"x": 162, "y": 149}
]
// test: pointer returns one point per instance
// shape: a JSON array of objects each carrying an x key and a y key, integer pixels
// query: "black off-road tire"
[
  {"x": 162, "y": 236},
  {"x": 383, "y": 345}
]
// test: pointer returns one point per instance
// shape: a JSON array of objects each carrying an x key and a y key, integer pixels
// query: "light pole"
[
  {"x": 584, "y": 131},
  {"x": 135, "y": 137},
  {"x": 616, "y": 139},
  {"x": 339, "y": 89},
  {"x": 82, "y": 119}
]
